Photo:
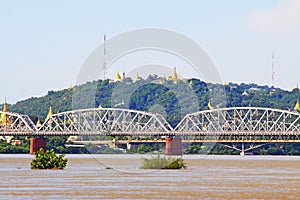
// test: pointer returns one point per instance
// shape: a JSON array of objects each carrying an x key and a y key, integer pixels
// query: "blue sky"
[{"x": 44, "y": 44}]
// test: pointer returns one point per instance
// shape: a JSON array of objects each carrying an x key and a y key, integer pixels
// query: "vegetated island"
[
  {"x": 163, "y": 163},
  {"x": 48, "y": 160}
]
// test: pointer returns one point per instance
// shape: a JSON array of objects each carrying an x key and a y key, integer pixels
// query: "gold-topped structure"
[
  {"x": 3, "y": 116},
  {"x": 225, "y": 84},
  {"x": 137, "y": 78},
  {"x": 297, "y": 106},
  {"x": 4, "y": 106},
  {"x": 174, "y": 76},
  {"x": 38, "y": 123},
  {"x": 117, "y": 77},
  {"x": 49, "y": 113},
  {"x": 209, "y": 104}
]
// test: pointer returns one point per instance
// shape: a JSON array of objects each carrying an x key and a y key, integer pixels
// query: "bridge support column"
[
  {"x": 173, "y": 146},
  {"x": 36, "y": 144}
]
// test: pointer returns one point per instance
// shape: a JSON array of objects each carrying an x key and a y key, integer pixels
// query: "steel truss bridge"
[{"x": 224, "y": 125}]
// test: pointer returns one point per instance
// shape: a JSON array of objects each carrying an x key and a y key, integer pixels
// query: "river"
[{"x": 207, "y": 177}]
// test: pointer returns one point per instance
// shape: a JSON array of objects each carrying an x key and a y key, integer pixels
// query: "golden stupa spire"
[
  {"x": 137, "y": 76},
  {"x": 5, "y": 106},
  {"x": 191, "y": 82},
  {"x": 209, "y": 104},
  {"x": 297, "y": 87},
  {"x": 71, "y": 87},
  {"x": 38, "y": 123},
  {"x": 225, "y": 84},
  {"x": 3, "y": 117},
  {"x": 297, "y": 106},
  {"x": 174, "y": 75},
  {"x": 117, "y": 77},
  {"x": 49, "y": 113}
]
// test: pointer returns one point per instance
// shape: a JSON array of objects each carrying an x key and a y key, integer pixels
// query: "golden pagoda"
[
  {"x": 137, "y": 78},
  {"x": 297, "y": 87},
  {"x": 191, "y": 82},
  {"x": 225, "y": 84},
  {"x": 209, "y": 104},
  {"x": 174, "y": 76},
  {"x": 38, "y": 123},
  {"x": 3, "y": 117},
  {"x": 297, "y": 106},
  {"x": 70, "y": 87},
  {"x": 117, "y": 77},
  {"x": 4, "y": 106},
  {"x": 49, "y": 113}
]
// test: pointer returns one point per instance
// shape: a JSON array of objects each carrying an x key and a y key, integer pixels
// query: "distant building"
[
  {"x": 16, "y": 142},
  {"x": 174, "y": 76},
  {"x": 117, "y": 77}
]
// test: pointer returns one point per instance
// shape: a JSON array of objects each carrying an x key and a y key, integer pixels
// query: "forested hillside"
[{"x": 155, "y": 94}]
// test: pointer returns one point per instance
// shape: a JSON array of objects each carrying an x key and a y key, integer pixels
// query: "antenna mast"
[
  {"x": 273, "y": 69},
  {"x": 104, "y": 58}
]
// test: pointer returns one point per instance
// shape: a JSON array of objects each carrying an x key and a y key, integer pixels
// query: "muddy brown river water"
[{"x": 207, "y": 177}]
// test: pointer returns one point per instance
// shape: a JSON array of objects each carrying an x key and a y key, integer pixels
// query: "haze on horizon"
[{"x": 44, "y": 44}]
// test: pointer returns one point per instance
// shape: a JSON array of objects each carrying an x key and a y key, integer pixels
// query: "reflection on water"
[{"x": 86, "y": 177}]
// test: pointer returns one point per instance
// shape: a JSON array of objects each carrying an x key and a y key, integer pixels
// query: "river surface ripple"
[{"x": 207, "y": 177}]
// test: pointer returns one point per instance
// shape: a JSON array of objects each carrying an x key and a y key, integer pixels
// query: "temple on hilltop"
[
  {"x": 117, "y": 77},
  {"x": 174, "y": 76},
  {"x": 137, "y": 78}
]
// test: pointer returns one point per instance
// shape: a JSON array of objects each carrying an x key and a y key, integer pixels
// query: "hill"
[{"x": 155, "y": 94}]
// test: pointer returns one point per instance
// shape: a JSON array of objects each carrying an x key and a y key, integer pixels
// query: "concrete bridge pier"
[
  {"x": 173, "y": 146},
  {"x": 36, "y": 144}
]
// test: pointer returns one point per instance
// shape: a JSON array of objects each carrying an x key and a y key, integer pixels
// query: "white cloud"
[{"x": 281, "y": 19}]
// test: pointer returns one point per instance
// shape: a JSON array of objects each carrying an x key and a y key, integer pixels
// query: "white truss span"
[
  {"x": 238, "y": 124},
  {"x": 241, "y": 124},
  {"x": 15, "y": 124},
  {"x": 105, "y": 121}
]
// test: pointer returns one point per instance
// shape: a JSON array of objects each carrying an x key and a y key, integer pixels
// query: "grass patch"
[{"x": 163, "y": 163}]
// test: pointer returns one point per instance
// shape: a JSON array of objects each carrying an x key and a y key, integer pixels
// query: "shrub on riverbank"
[
  {"x": 163, "y": 163},
  {"x": 48, "y": 160}
]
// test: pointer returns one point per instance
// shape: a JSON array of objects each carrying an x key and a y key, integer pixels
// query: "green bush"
[
  {"x": 163, "y": 163},
  {"x": 48, "y": 160}
]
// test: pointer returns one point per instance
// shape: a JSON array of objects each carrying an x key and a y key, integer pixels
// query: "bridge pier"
[
  {"x": 36, "y": 144},
  {"x": 173, "y": 146}
]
